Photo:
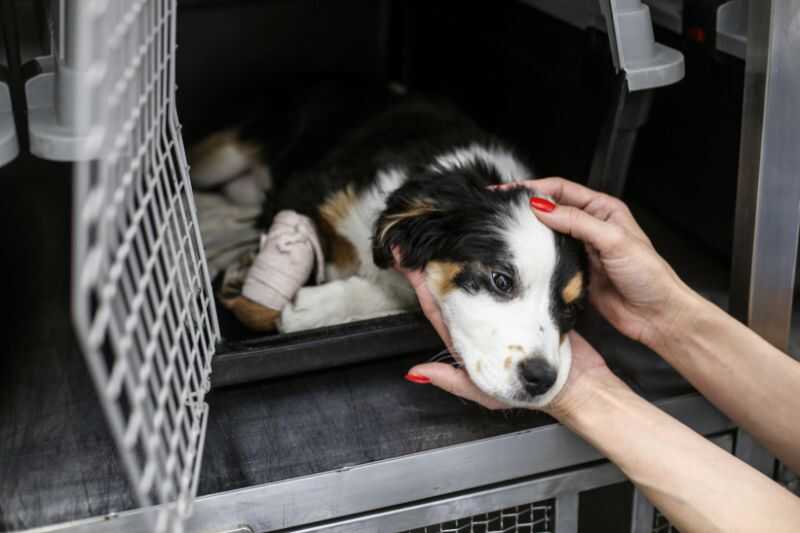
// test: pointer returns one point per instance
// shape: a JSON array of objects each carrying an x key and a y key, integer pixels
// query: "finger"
[
  {"x": 457, "y": 382},
  {"x": 585, "y": 356},
  {"x": 429, "y": 307},
  {"x": 564, "y": 192},
  {"x": 606, "y": 237},
  {"x": 512, "y": 185},
  {"x": 398, "y": 259},
  {"x": 600, "y": 205}
]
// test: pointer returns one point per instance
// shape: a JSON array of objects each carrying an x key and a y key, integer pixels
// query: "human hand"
[
  {"x": 588, "y": 366},
  {"x": 630, "y": 284}
]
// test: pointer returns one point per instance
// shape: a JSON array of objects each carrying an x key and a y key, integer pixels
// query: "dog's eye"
[{"x": 502, "y": 282}]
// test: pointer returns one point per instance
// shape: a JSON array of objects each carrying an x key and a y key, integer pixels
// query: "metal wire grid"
[
  {"x": 661, "y": 524},
  {"x": 142, "y": 302},
  {"x": 529, "y": 518}
]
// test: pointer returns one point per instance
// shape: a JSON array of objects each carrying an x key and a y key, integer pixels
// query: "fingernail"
[
  {"x": 416, "y": 378},
  {"x": 542, "y": 204}
]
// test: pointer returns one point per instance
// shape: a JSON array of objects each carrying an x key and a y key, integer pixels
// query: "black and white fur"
[{"x": 414, "y": 175}]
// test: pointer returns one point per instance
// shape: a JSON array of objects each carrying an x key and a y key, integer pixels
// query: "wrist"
[
  {"x": 678, "y": 318},
  {"x": 586, "y": 395}
]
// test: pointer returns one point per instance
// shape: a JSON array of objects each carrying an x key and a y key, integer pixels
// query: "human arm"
[
  {"x": 698, "y": 486},
  {"x": 695, "y": 484},
  {"x": 635, "y": 289}
]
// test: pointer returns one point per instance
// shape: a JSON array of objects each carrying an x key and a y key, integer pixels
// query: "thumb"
[
  {"x": 455, "y": 381},
  {"x": 601, "y": 235}
]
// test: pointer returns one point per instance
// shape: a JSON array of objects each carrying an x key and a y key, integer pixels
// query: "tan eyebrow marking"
[
  {"x": 573, "y": 289},
  {"x": 442, "y": 275},
  {"x": 507, "y": 363}
]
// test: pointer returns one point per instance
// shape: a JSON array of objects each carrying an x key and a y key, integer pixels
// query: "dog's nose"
[{"x": 537, "y": 375}]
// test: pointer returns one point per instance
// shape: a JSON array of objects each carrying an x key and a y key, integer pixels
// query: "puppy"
[{"x": 415, "y": 175}]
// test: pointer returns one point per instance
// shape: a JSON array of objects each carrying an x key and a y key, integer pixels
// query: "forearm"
[
  {"x": 697, "y": 485},
  {"x": 748, "y": 379}
]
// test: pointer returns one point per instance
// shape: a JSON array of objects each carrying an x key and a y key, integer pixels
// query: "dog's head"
[{"x": 509, "y": 287}]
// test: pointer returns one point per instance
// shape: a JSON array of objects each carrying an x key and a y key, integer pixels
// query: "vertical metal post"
[
  {"x": 643, "y": 513},
  {"x": 768, "y": 194},
  {"x": 9, "y": 32},
  {"x": 567, "y": 513},
  {"x": 614, "y": 152}
]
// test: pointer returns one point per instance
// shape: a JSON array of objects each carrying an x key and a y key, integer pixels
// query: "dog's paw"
[{"x": 312, "y": 307}]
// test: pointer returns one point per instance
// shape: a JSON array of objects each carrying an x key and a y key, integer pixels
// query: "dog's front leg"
[{"x": 343, "y": 301}]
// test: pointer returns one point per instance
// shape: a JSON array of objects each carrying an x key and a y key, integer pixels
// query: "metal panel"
[
  {"x": 732, "y": 28},
  {"x": 643, "y": 513},
  {"x": 513, "y": 499},
  {"x": 432, "y": 474},
  {"x": 535, "y": 517},
  {"x": 768, "y": 194},
  {"x": 142, "y": 303},
  {"x": 567, "y": 512},
  {"x": 9, "y": 148}
]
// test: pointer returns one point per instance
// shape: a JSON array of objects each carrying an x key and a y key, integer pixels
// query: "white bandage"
[{"x": 285, "y": 260}]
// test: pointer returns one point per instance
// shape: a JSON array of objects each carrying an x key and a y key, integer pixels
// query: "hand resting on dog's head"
[{"x": 630, "y": 284}]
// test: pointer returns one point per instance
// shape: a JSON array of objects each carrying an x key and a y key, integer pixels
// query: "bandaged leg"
[{"x": 287, "y": 256}]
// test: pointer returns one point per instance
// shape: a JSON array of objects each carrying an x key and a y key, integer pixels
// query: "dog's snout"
[{"x": 537, "y": 375}]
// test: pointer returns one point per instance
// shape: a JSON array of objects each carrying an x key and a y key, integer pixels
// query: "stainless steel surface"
[
  {"x": 617, "y": 141},
  {"x": 536, "y": 517},
  {"x": 732, "y": 28},
  {"x": 567, "y": 511},
  {"x": 642, "y": 514},
  {"x": 661, "y": 524},
  {"x": 564, "y": 486},
  {"x": 377, "y": 485},
  {"x": 768, "y": 194}
]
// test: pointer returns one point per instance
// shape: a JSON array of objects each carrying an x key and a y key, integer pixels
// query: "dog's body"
[{"x": 415, "y": 176}]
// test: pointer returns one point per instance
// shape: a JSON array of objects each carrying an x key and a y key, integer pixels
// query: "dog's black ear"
[
  {"x": 413, "y": 223},
  {"x": 428, "y": 218}
]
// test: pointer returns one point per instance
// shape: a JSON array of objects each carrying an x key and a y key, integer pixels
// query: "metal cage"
[{"x": 142, "y": 302}]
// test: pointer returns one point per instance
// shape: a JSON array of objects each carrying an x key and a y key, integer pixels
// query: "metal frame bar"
[
  {"x": 768, "y": 193},
  {"x": 767, "y": 216},
  {"x": 642, "y": 514},
  {"x": 11, "y": 40},
  {"x": 567, "y": 505},
  {"x": 564, "y": 487},
  {"x": 365, "y": 488},
  {"x": 617, "y": 140}
]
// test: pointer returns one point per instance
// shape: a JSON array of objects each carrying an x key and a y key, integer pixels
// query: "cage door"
[{"x": 142, "y": 302}]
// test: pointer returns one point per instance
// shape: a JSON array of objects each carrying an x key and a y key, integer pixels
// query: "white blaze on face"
[{"x": 493, "y": 335}]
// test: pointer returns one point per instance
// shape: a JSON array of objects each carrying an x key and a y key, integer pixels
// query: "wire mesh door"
[{"x": 142, "y": 302}]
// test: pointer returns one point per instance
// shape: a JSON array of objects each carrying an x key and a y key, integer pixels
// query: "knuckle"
[{"x": 616, "y": 236}]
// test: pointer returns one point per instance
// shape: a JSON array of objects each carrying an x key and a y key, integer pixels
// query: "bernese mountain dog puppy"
[{"x": 376, "y": 170}]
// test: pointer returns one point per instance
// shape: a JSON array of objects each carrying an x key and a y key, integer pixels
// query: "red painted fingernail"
[
  {"x": 416, "y": 378},
  {"x": 542, "y": 204}
]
